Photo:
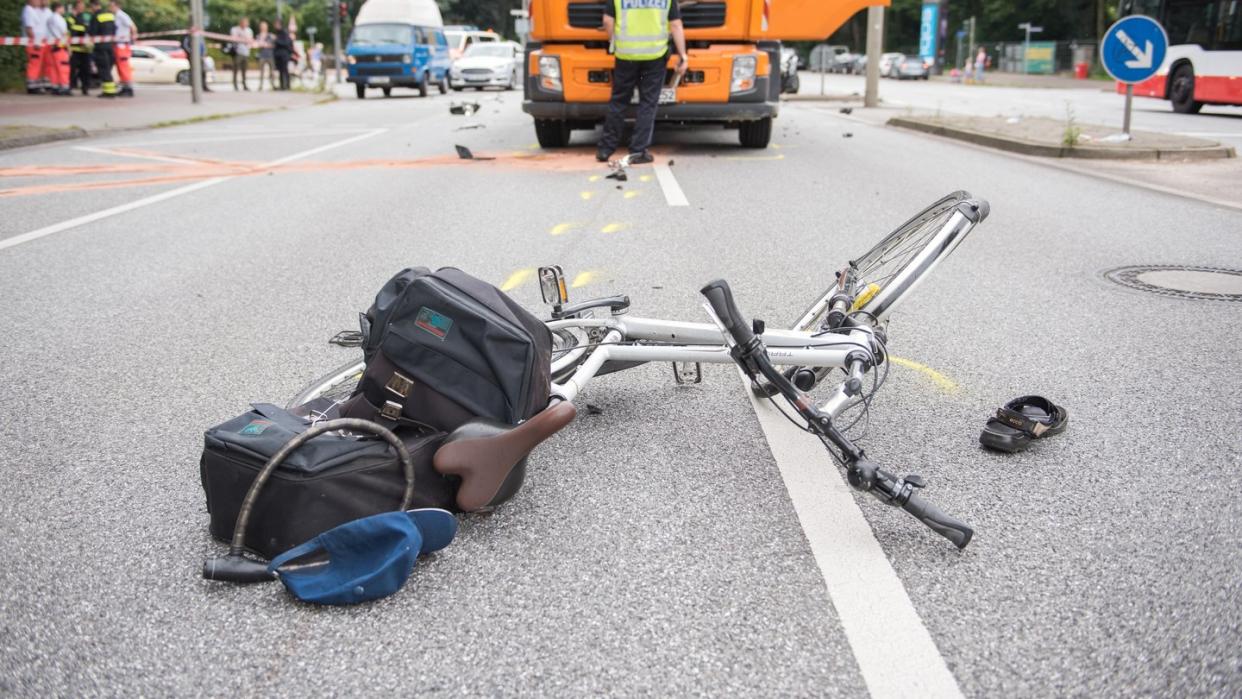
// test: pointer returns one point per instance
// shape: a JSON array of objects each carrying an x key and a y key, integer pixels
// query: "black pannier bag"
[
  {"x": 330, "y": 480},
  {"x": 443, "y": 347}
]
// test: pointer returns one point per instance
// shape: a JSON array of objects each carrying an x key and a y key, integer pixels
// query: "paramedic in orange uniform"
[{"x": 126, "y": 32}]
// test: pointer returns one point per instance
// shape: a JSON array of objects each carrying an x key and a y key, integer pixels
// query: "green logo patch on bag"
[
  {"x": 437, "y": 324},
  {"x": 256, "y": 427}
]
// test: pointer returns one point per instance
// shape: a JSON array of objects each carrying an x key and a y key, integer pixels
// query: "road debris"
[
  {"x": 463, "y": 108},
  {"x": 846, "y": 110},
  {"x": 465, "y": 154}
]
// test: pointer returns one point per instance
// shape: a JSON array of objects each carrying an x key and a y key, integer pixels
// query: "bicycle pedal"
[{"x": 687, "y": 372}]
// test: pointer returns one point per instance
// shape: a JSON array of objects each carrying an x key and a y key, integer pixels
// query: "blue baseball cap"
[{"x": 366, "y": 559}]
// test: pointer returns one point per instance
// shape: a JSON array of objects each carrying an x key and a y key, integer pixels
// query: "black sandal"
[{"x": 1021, "y": 421}]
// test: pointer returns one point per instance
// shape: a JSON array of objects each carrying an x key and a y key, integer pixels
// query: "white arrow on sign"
[{"x": 1141, "y": 59}]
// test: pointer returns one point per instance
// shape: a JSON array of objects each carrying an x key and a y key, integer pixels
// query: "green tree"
[
  {"x": 12, "y": 58},
  {"x": 485, "y": 14}
]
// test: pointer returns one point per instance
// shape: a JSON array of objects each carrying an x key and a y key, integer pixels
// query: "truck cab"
[
  {"x": 734, "y": 76},
  {"x": 398, "y": 43}
]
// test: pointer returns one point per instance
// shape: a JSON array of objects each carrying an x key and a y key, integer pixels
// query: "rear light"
[
  {"x": 550, "y": 73},
  {"x": 743, "y": 73}
]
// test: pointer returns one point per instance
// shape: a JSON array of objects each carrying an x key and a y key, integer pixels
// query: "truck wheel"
[
  {"x": 360, "y": 90},
  {"x": 443, "y": 84},
  {"x": 794, "y": 84},
  {"x": 755, "y": 134},
  {"x": 387, "y": 91},
  {"x": 552, "y": 133},
  {"x": 422, "y": 85},
  {"x": 1182, "y": 91}
]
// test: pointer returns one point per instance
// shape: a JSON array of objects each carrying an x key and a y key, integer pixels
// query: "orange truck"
[{"x": 734, "y": 74}]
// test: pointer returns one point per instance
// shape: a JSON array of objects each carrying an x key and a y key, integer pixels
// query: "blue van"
[{"x": 398, "y": 43}]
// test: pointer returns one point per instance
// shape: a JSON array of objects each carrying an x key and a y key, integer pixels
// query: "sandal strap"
[{"x": 1011, "y": 414}]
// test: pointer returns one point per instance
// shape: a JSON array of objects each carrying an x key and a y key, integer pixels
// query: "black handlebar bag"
[
  {"x": 444, "y": 347},
  {"x": 332, "y": 479}
]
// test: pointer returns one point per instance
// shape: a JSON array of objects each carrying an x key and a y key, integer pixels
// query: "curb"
[
  {"x": 1058, "y": 151},
  {"x": 68, "y": 134}
]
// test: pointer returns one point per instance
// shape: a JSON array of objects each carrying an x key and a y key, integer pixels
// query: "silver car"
[
  {"x": 912, "y": 68},
  {"x": 489, "y": 64}
]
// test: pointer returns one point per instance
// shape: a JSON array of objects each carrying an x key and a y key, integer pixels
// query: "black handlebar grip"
[
  {"x": 720, "y": 297},
  {"x": 950, "y": 528},
  {"x": 236, "y": 569}
]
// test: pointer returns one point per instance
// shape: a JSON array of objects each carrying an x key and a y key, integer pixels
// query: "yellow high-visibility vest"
[{"x": 642, "y": 29}]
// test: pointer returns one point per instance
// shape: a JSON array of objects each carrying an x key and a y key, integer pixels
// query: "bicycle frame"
[{"x": 702, "y": 343}]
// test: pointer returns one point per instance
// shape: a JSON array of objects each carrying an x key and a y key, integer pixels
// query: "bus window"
[
  {"x": 1229, "y": 34},
  {"x": 1189, "y": 22}
]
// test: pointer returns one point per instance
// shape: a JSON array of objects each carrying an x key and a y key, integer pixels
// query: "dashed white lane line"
[
  {"x": 163, "y": 196},
  {"x": 895, "y": 652},
  {"x": 672, "y": 191},
  {"x": 142, "y": 156}
]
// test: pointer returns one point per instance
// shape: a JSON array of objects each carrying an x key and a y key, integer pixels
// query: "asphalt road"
[{"x": 654, "y": 549}]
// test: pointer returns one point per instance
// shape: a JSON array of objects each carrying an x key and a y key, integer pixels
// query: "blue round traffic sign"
[{"x": 1133, "y": 48}]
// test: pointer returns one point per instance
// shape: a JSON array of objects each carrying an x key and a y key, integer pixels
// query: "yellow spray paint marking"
[
  {"x": 756, "y": 157},
  {"x": 631, "y": 194},
  {"x": 563, "y": 228},
  {"x": 595, "y": 178},
  {"x": 586, "y": 194},
  {"x": 532, "y": 146},
  {"x": 777, "y": 146},
  {"x": 867, "y": 294},
  {"x": 645, "y": 178},
  {"x": 582, "y": 279},
  {"x": 516, "y": 279},
  {"x": 945, "y": 383},
  {"x": 613, "y": 228}
]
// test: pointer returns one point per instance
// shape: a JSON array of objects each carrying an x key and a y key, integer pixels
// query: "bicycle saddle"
[{"x": 490, "y": 456}]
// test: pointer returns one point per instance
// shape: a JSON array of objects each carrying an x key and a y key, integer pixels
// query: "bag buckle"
[
  {"x": 400, "y": 384},
  {"x": 391, "y": 410}
]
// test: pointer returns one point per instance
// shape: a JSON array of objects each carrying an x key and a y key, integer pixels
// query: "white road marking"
[
  {"x": 162, "y": 196},
  {"x": 672, "y": 191},
  {"x": 895, "y": 652},
  {"x": 252, "y": 136}
]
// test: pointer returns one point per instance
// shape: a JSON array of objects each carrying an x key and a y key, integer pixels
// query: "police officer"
[
  {"x": 79, "y": 54},
  {"x": 103, "y": 24},
  {"x": 639, "y": 30}
]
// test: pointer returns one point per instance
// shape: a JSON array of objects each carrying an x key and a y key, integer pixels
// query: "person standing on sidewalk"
[
  {"x": 34, "y": 32},
  {"x": 126, "y": 32},
  {"x": 639, "y": 31},
  {"x": 282, "y": 51},
  {"x": 57, "y": 32},
  {"x": 981, "y": 62},
  {"x": 267, "y": 63},
  {"x": 79, "y": 54},
  {"x": 103, "y": 24},
  {"x": 243, "y": 37}
]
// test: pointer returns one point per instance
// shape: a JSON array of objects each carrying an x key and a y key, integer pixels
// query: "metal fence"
[{"x": 1045, "y": 57}]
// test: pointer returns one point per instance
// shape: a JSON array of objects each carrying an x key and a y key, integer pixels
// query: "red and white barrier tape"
[{"x": 23, "y": 41}]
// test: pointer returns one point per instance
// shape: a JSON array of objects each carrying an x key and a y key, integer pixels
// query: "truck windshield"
[{"x": 382, "y": 34}]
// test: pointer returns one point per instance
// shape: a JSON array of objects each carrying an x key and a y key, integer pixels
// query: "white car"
[
  {"x": 888, "y": 64},
  {"x": 151, "y": 65},
  {"x": 496, "y": 64}
]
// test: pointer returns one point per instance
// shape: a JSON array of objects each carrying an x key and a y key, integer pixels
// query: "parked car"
[
  {"x": 789, "y": 70},
  {"x": 843, "y": 63},
  {"x": 495, "y": 64},
  {"x": 462, "y": 36},
  {"x": 174, "y": 49},
  {"x": 151, "y": 65},
  {"x": 888, "y": 64},
  {"x": 860, "y": 65},
  {"x": 912, "y": 68}
]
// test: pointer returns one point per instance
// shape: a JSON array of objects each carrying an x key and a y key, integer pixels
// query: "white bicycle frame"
[{"x": 702, "y": 343}]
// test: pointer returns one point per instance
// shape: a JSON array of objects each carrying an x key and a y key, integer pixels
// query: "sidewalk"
[{"x": 47, "y": 118}]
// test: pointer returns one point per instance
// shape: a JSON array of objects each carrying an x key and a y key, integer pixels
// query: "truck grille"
[
  {"x": 378, "y": 70},
  {"x": 694, "y": 15},
  {"x": 703, "y": 15},
  {"x": 586, "y": 15}
]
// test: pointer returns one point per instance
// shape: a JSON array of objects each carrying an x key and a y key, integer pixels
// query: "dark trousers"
[
  {"x": 240, "y": 64},
  {"x": 282, "y": 67},
  {"x": 649, "y": 77},
  {"x": 80, "y": 70}
]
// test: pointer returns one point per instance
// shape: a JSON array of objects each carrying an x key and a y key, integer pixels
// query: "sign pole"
[
  {"x": 336, "y": 41},
  {"x": 875, "y": 46},
  {"x": 196, "y": 56},
  {"x": 1125, "y": 124}
]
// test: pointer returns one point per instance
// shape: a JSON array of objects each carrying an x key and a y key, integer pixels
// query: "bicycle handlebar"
[
  {"x": 721, "y": 299},
  {"x": 949, "y": 527}
]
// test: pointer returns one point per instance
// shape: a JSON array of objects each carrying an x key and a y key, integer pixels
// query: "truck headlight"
[
  {"x": 743, "y": 73},
  {"x": 351, "y": 60},
  {"x": 407, "y": 59},
  {"x": 550, "y": 73}
]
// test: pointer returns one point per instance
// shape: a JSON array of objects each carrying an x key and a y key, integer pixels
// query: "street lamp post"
[
  {"x": 875, "y": 47},
  {"x": 1026, "y": 47},
  {"x": 196, "y": 56}
]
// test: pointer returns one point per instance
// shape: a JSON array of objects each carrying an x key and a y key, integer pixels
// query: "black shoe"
[
  {"x": 127, "y": 93},
  {"x": 603, "y": 154},
  {"x": 641, "y": 158},
  {"x": 105, "y": 95}
]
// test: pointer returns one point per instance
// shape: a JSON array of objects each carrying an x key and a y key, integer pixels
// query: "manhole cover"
[{"x": 1182, "y": 281}]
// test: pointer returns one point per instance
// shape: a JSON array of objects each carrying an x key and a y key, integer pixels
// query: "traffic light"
[{"x": 343, "y": 10}]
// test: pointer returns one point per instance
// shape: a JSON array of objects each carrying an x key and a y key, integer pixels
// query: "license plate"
[
  {"x": 668, "y": 95},
  {"x": 379, "y": 80}
]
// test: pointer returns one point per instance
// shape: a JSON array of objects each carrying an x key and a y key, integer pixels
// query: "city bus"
[
  {"x": 1204, "y": 62},
  {"x": 734, "y": 76}
]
